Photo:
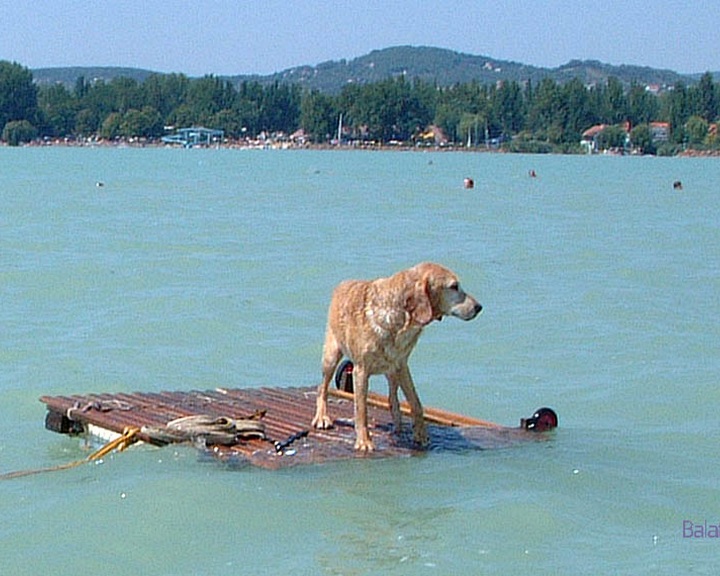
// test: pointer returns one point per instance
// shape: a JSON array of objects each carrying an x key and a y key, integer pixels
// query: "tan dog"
[{"x": 376, "y": 325}]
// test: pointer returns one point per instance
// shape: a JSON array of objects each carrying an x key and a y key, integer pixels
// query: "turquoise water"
[{"x": 195, "y": 269}]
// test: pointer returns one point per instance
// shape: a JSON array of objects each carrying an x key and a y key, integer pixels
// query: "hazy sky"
[{"x": 199, "y": 37}]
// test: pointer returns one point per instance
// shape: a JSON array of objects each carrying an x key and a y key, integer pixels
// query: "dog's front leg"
[
  {"x": 362, "y": 435},
  {"x": 331, "y": 357},
  {"x": 321, "y": 419}
]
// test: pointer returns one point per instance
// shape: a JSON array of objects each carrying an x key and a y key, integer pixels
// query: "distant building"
[
  {"x": 433, "y": 135},
  {"x": 659, "y": 131},
  {"x": 299, "y": 137},
  {"x": 589, "y": 140},
  {"x": 195, "y": 136}
]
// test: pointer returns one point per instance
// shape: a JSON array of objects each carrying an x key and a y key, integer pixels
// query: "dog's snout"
[
  {"x": 468, "y": 309},
  {"x": 476, "y": 309}
]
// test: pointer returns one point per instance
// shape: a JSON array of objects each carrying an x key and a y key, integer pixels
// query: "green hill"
[
  {"x": 445, "y": 67},
  {"x": 69, "y": 75}
]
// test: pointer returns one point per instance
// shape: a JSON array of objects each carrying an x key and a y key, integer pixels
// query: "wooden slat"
[{"x": 288, "y": 411}]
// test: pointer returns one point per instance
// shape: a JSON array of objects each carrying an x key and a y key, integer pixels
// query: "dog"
[{"x": 376, "y": 324}]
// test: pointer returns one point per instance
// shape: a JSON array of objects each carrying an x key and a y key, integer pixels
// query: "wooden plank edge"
[{"x": 433, "y": 415}]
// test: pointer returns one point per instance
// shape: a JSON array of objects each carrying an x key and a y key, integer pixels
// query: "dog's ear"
[{"x": 418, "y": 303}]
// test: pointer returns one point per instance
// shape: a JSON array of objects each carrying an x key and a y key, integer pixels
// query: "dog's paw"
[
  {"x": 322, "y": 422},
  {"x": 420, "y": 436},
  {"x": 366, "y": 446}
]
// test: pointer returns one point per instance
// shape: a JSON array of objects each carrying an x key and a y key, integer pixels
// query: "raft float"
[{"x": 270, "y": 427}]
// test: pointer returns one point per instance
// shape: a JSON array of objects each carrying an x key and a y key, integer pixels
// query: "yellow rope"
[
  {"x": 121, "y": 442},
  {"x": 128, "y": 436}
]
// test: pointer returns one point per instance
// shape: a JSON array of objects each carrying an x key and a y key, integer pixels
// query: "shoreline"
[
  {"x": 243, "y": 145},
  {"x": 289, "y": 145}
]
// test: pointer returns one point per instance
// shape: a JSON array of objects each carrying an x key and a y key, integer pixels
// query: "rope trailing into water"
[
  {"x": 128, "y": 437},
  {"x": 211, "y": 430}
]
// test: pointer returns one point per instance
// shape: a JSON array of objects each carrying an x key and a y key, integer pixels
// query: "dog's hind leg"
[
  {"x": 393, "y": 384},
  {"x": 405, "y": 382}
]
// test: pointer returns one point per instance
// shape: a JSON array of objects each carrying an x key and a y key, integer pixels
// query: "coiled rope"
[{"x": 208, "y": 429}]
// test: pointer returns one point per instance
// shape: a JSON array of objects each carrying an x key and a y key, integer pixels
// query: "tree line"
[{"x": 519, "y": 116}]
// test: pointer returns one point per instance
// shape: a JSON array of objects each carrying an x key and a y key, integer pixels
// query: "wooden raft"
[{"x": 287, "y": 415}]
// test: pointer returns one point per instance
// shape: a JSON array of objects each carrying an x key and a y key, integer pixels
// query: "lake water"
[{"x": 196, "y": 269}]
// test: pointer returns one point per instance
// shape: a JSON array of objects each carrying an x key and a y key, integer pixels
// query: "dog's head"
[{"x": 436, "y": 293}]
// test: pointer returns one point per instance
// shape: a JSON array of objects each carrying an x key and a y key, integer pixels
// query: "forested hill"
[
  {"x": 445, "y": 67},
  {"x": 448, "y": 68},
  {"x": 69, "y": 75}
]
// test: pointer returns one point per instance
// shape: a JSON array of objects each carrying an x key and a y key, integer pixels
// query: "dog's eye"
[{"x": 454, "y": 286}]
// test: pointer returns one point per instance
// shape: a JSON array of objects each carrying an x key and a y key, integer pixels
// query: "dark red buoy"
[
  {"x": 542, "y": 420},
  {"x": 343, "y": 376}
]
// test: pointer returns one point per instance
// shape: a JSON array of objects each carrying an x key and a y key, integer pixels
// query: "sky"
[{"x": 231, "y": 37}]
